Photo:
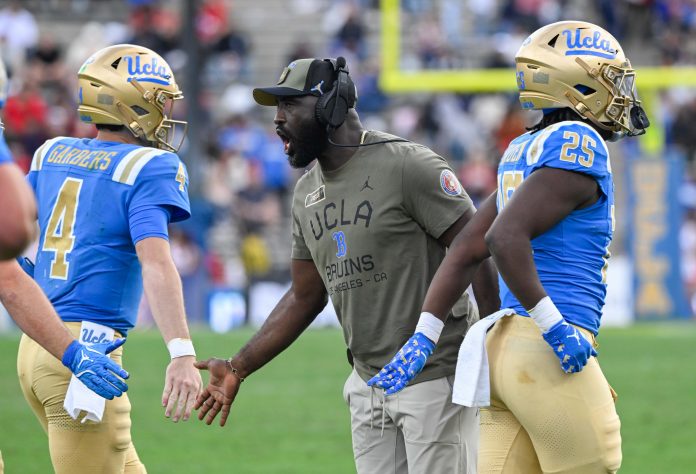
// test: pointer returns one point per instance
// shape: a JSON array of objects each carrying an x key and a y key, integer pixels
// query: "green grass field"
[{"x": 290, "y": 417}]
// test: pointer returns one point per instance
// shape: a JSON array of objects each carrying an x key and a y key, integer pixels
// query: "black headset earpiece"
[{"x": 332, "y": 107}]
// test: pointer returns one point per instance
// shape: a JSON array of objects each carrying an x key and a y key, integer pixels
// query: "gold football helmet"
[
  {"x": 132, "y": 86},
  {"x": 579, "y": 65}
]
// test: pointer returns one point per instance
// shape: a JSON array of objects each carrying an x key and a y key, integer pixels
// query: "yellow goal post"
[{"x": 394, "y": 80}]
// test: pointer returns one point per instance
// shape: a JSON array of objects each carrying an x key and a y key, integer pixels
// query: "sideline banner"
[{"x": 655, "y": 217}]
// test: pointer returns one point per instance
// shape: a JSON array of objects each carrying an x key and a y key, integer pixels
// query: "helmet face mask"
[
  {"x": 132, "y": 86},
  {"x": 580, "y": 66},
  {"x": 170, "y": 134}
]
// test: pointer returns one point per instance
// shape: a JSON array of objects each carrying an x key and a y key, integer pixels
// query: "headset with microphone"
[{"x": 332, "y": 108}]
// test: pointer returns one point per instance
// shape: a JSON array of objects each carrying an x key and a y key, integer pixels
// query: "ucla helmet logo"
[
  {"x": 152, "y": 71},
  {"x": 580, "y": 42}
]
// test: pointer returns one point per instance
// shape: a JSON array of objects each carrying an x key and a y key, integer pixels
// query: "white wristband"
[
  {"x": 545, "y": 314},
  {"x": 430, "y": 326},
  {"x": 179, "y": 347}
]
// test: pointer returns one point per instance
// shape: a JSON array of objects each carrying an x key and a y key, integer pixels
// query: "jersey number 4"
[{"x": 60, "y": 237}]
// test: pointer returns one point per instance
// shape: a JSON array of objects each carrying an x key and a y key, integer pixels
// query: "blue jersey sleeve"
[
  {"x": 149, "y": 222},
  {"x": 162, "y": 182},
  {"x": 572, "y": 146},
  {"x": 5, "y": 155}
]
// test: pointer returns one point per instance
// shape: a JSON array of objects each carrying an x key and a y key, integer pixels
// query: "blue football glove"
[
  {"x": 406, "y": 364},
  {"x": 571, "y": 348},
  {"x": 95, "y": 369}
]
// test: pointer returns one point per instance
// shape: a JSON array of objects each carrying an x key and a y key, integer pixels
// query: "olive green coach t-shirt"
[{"x": 371, "y": 228}]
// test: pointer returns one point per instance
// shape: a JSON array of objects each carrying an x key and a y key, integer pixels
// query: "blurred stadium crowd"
[{"x": 241, "y": 183}]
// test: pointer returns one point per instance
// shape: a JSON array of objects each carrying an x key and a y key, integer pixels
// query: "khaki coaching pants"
[
  {"x": 75, "y": 447},
  {"x": 418, "y": 430},
  {"x": 542, "y": 420}
]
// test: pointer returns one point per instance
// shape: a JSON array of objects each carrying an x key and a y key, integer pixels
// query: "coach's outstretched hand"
[
  {"x": 571, "y": 347},
  {"x": 95, "y": 369},
  {"x": 406, "y": 364},
  {"x": 221, "y": 391}
]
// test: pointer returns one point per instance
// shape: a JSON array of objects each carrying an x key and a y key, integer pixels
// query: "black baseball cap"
[{"x": 301, "y": 77}]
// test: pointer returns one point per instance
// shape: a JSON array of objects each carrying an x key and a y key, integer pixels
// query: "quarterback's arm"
[
  {"x": 17, "y": 220},
  {"x": 294, "y": 312},
  {"x": 538, "y": 204},
  {"x": 162, "y": 286}
]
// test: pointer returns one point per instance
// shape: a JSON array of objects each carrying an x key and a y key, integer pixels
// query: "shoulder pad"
[
  {"x": 41, "y": 152},
  {"x": 570, "y": 145},
  {"x": 131, "y": 165}
]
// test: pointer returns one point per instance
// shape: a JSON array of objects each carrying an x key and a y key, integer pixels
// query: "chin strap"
[
  {"x": 129, "y": 114},
  {"x": 585, "y": 111},
  {"x": 131, "y": 119}
]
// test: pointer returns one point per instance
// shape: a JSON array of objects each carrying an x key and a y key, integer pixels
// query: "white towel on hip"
[
  {"x": 79, "y": 398},
  {"x": 472, "y": 386}
]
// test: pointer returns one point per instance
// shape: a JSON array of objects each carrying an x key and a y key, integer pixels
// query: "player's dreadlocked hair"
[{"x": 563, "y": 115}]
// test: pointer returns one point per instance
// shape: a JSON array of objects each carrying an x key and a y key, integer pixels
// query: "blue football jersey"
[
  {"x": 571, "y": 258},
  {"x": 5, "y": 155},
  {"x": 86, "y": 190}
]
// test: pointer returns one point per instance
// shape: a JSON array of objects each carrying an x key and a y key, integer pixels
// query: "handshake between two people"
[{"x": 183, "y": 389}]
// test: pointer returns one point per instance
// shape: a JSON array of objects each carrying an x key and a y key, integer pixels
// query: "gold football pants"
[
  {"x": 75, "y": 447},
  {"x": 542, "y": 420}
]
